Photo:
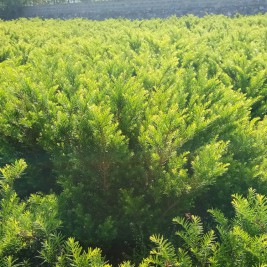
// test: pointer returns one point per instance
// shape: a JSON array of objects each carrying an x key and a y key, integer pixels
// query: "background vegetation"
[{"x": 125, "y": 125}]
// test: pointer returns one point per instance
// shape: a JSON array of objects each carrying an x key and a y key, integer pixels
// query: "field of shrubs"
[{"x": 144, "y": 140}]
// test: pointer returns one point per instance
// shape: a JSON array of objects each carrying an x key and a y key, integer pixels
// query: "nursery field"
[{"x": 109, "y": 130}]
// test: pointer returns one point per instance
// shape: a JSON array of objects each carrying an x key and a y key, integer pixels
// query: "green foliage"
[
  {"x": 201, "y": 245},
  {"x": 239, "y": 242},
  {"x": 51, "y": 248},
  {"x": 246, "y": 239},
  {"x": 28, "y": 229},
  {"x": 9, "y": 262},
  {"x": 57, "y": 252},
  {"x": 129, "y": 134},
  {"x": 164, "y": 254},
  {"x": 163, "y": 250},
  {"x": 24, "y": 224}
]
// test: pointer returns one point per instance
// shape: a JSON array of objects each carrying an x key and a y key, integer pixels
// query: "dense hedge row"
[{"x": 131, "y": 123}]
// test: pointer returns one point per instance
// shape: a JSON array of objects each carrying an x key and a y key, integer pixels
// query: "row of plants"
[{"x": 128, "y": 134}]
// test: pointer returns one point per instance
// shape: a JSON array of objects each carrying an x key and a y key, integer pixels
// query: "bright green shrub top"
[{"x": 135, "y": 122}]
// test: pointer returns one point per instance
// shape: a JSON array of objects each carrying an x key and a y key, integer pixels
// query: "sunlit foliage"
[{"x": 131, "y": 123}]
